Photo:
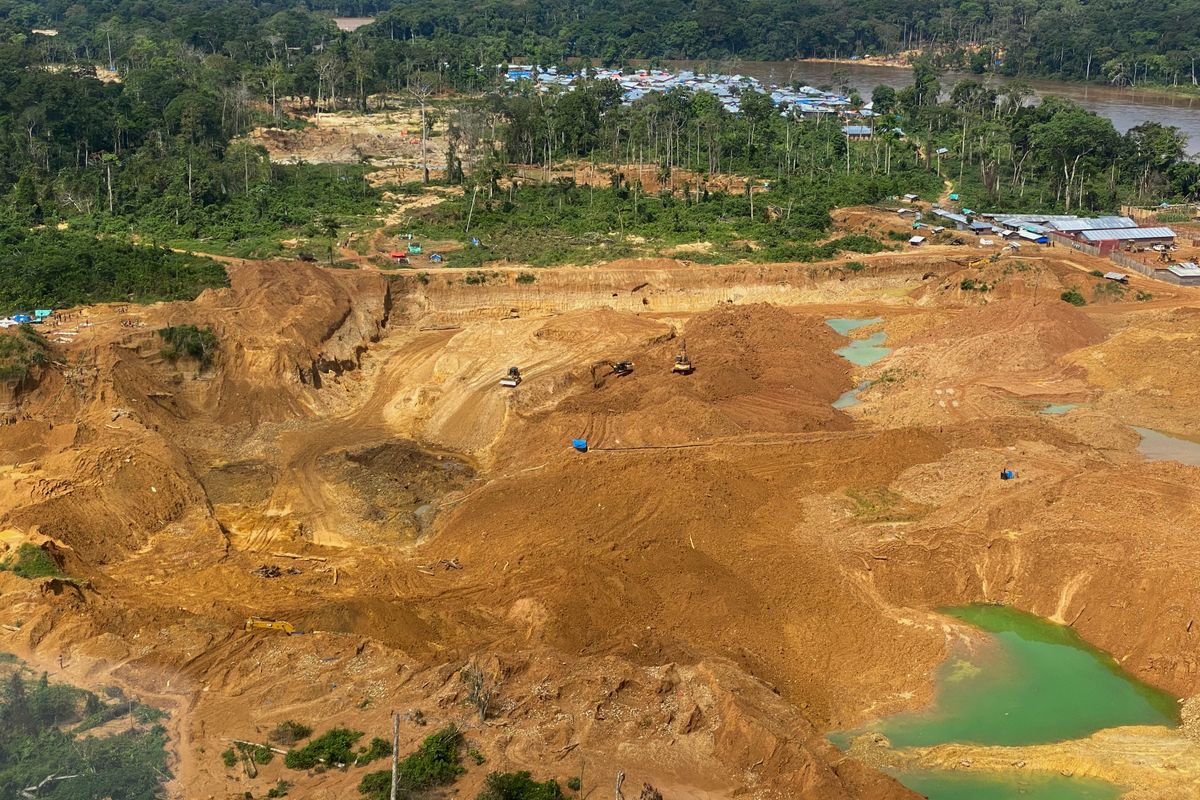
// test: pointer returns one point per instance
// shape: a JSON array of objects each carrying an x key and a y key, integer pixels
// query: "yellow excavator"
[
  {"x": 683, "y": 364},
  {"x": 262, "y": 624},
  {"x": 613, "y": 368}
]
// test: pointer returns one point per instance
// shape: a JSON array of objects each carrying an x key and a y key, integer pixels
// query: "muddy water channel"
[{"x": 1024, "y": 681}]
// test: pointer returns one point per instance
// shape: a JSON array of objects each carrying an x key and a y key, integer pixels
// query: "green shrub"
[
  {"x": 855, "y": 266},
  {"x": 519, "y": 786},
  {"x": 377, "y": 749},
  {"x": 288, "y": 732},
  {"x": 280, "y": 789},
  {"x": 229, "y": 757},
  {"x": 575, "y": 784},
  {"x": 30, "y": 562},
  {"x": 526, "y": 278},
  {"x": 21, "y": 349},
  {"x": 1073, "y": 297},
  {"x": 1143, "y": 296},
  {"x": 332, "y": 747},
  {"x": 435, "y": 763},
  {"x": 188, "y": 341},
  {"x": 1097, "y": 273}
]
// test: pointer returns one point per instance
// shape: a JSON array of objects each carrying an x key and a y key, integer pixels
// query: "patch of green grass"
[
  {"x": 526, "y": 278},
  {"x": 229, "y": 757},
  {"x": 881, "y": 504},
  {"x": 1143, "y": 296},
  {"x": 280, "y": 789},
  {"x": 31, "y": 562}
]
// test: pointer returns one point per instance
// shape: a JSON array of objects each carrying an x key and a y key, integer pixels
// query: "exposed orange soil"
[{"x": 732, "y": 571}]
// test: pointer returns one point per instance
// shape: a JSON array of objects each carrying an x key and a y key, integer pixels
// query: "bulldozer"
[
  {"x": 261, "y": 624},
  {"x": 614, "y": 368},
  {"x": 683, "y": 364},
  {"x": 512, "y": 379}
]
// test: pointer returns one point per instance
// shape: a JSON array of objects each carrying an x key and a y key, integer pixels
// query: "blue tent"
[{"x": 580, "y": 445}]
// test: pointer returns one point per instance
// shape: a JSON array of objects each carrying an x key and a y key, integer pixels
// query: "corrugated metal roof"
[
  {"x": 1185, "y": 270},
  {"x": 1128, "y": 233},
  {"x": 1116, "y": 276},
  {"x": 856, "y": 130},
  {"x": 1096, "y": 224}
]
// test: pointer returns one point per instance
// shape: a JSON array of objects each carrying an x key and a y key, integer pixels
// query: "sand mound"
[
  {"x": 1011, "y": 335},
  {"x": 758, "y": 369}
]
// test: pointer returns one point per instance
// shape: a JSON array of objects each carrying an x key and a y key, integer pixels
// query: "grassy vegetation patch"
[
  {"x": 562, "y": 223},
  {"x": 20, "y": 349},
  {"x": 30, "y": 562}
]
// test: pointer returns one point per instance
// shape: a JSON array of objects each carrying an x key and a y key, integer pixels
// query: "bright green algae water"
[
  {"x": 1030, "y": 786},
  {"x": 861, "y": 352},
  {"x": 1033, "y": 682},
  {"x": 1030, "y": 682}
]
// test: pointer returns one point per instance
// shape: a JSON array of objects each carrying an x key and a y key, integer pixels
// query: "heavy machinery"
[
  {"x": 262, "y": 624},
  {"x": 614, "y": 368},
  {"x": 512, "y": 379},
  {"x": 683, "y": 364}
]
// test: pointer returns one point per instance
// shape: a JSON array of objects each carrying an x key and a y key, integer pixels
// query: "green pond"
[
  {"x": 1059, "y": 408},
  {"x": 1028, "y": 682},
  {"x": 1160, "y": 447},
  {"x": 850, "y": 398},
  {"x": 844, "y": 326},
  {"x": 1028, "y": 786},
  {"x": 861, "y": 352}
]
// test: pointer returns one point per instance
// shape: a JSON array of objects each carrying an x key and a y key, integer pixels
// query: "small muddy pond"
[
  {"x": 1161, "y": 447},
  {"x": 850, "y": 398},
  {"x": 1055, "y": 409},
  {"x": 1027, "y": 681},
  {"x": 861, "y": 352}
]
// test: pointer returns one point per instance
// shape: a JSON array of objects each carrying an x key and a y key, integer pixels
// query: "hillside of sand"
[{"x": 733, "y": 570}]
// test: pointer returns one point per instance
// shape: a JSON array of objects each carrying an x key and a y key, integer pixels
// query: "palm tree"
[{"x": 331, "y": 226}]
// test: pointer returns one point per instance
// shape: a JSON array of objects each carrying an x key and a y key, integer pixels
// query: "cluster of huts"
[{"x": 638, "y": 83}]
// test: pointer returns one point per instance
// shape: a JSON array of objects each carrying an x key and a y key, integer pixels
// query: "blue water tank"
[
  {"x": 579, "y": 444},
  {"x": 1007, "y": 474}
]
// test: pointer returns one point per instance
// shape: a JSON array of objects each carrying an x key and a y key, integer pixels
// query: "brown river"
[{"x": 1124, "y": 106}]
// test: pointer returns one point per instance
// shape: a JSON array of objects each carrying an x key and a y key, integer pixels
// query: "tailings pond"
[
  {"x": 861, "y": 352},
  {"x": 1160, "y": 447},
  {"x": 1024, "y": 681}
]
